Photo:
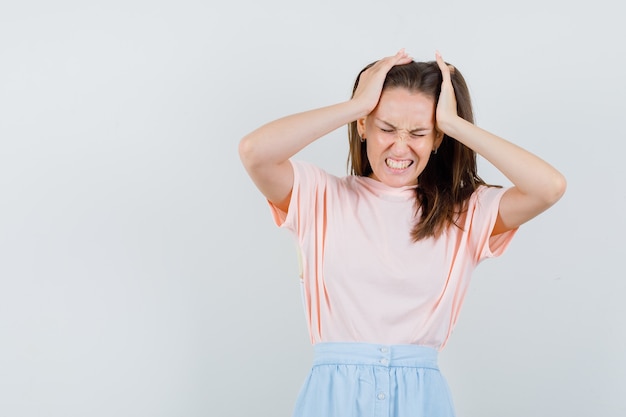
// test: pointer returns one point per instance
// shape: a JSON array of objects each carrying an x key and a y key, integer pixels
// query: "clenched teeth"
[{"x": 398, "y": 164}]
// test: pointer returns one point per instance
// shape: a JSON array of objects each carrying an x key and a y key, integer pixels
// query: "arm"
[
  {"x": 536, "y": 184},
  {"x": 265, "y": 152}
]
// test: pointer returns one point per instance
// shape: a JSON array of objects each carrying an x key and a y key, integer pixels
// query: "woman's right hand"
[{"x": 372, "y": 79}]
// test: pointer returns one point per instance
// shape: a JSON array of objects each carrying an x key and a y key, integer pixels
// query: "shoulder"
[
  {"x": 486, "y": 194},
  {"x": 483, "y": 204}
]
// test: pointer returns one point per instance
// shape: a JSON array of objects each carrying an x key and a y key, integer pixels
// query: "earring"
[
  {"x": 435, "y": 151},
  {"x": 362, "y": 138}
]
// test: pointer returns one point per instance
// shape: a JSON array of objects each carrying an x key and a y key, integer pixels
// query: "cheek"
[
  {"x": 371, "y": 153},
  {"x": 422, "y": 146},
  {"x": 375, "y": 145}
]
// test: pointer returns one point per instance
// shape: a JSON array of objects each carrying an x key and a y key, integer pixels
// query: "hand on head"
[
  {"x": 446, "y": 107},
  {"x": 371, "y": 83},
  {"x": 372, "y": 79}
]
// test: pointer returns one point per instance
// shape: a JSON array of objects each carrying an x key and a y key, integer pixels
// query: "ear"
[{"x": 360, "y": 126}]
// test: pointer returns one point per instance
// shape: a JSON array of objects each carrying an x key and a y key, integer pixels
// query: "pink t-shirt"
[{"x": 364, "y": 279}]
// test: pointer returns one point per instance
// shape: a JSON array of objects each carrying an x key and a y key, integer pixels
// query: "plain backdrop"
[{"x": 141, "y": 273}]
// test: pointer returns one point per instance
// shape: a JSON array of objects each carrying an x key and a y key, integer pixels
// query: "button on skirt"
[{"x": 368, "y": 380}]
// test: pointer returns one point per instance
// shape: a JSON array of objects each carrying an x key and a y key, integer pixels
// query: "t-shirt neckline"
[{"x": 382, "y": 190}]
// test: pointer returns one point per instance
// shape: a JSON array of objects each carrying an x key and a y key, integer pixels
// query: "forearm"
[
  {"x": 277, "y": 141},
  {"x": 530, "y": 174}
]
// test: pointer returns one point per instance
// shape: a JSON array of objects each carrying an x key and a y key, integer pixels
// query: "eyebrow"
[{"x": 417, "y": 129}]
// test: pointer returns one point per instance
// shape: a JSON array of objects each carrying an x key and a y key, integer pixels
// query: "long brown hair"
[{"x": 450, "y": 177}]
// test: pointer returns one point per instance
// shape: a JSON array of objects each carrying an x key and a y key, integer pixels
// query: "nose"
[{"x": 401, "y": 139}]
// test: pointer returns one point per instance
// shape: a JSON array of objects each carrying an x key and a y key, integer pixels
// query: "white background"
[{"x": 140, "y": 271}]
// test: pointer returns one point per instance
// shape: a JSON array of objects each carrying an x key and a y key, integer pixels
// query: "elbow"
[
  {"x": 246, "y": 151},
  {"x": 557, "y": 188}
]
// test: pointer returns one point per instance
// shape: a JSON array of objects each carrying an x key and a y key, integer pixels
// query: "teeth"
[{"x": 397, "y": 164}]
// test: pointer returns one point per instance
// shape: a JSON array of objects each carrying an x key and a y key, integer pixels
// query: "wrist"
[
  {"x": 358, "y": 109},
  {"x": 453, "y": 127}
]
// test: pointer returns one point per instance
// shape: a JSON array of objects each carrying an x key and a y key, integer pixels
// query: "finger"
[
  {"x": 401, "y": 57},
  {"x": 445, "y": 69}
]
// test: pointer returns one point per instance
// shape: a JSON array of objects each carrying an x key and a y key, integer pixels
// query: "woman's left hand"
[{"x": 446, "y": 107}]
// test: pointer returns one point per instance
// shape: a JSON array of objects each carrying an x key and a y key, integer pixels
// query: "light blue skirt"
[{"x": 368, "y": 380}]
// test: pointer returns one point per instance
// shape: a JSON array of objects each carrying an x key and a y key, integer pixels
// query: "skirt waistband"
[{"x": 375, "y": 355}]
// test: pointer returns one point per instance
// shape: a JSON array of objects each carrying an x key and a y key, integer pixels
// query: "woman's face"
[{"x": 400, "y": 135}]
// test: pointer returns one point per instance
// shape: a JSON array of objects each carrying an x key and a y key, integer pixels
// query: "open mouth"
[{"x": 398, "y": 164}]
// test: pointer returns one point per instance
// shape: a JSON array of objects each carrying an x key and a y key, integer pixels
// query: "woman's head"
[
  {"x": 402, "y": 131},
  {"x": 418, "y": 78}
]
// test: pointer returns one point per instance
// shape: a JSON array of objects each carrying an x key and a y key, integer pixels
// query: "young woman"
[{"x": 387, "y": 252}]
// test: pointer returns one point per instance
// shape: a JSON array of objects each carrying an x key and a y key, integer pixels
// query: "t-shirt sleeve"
[
  {"x": 482, "y": 215},
  {"x": 309, "y": 184}
]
